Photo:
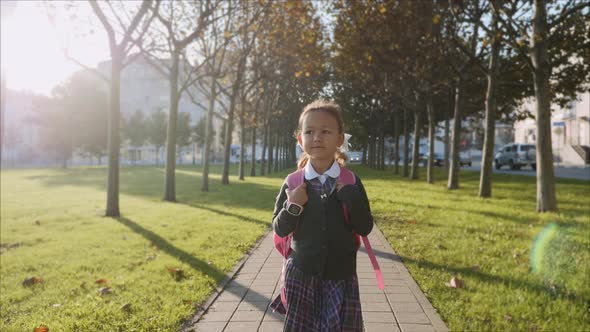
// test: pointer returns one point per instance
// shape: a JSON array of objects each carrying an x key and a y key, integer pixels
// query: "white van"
[{"x": 516, "y": 155}]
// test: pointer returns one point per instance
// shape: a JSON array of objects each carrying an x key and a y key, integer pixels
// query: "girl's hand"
[{"x": 298, "y": 195}]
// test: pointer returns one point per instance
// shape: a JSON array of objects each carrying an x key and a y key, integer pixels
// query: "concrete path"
[{"x": 241, "y": 303}]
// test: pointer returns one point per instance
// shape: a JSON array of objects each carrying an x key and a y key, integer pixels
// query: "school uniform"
[{"x": 320, "y": 274}]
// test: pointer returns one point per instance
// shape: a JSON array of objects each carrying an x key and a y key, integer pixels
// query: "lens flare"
[{"x": 541, "y": 247}]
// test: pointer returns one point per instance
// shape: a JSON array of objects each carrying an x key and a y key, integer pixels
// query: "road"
[{"x": 567, "y": 172}]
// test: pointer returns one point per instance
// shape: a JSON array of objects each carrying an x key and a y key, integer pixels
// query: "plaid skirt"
[{"x": 319, "y": 305}]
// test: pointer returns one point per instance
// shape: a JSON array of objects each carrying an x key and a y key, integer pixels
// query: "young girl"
[{"x": 321, "y": 285}]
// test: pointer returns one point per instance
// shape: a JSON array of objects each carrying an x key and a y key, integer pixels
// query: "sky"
[
  {"x": 32, "y": 54},
  {"x": 32, "y": 48}
]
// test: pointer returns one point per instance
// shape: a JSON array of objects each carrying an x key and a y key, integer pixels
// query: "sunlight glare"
[{"x": 32, "y": 53}]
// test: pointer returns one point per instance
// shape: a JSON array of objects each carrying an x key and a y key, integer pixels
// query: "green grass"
[
  {"x": 438, "y": 234},
  {"x": 73, "y": 246}
]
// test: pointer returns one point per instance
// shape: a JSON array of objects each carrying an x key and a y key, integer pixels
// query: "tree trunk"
[
  {"x": 264, "y": 145},
  {"x": 270, "y": 149},
  {"x": 485, "y": 180},
  {"x": 416, "y": 147},
  {"x": 396, "y": 153},
  {"x": 113, "y": 138},
  {"x": 230, "y": 121},
  {"x": 431, "y": 130},
  {"x": 546, "y": 198},
  {"x": 277, "y": 147},
  {"x": 372, "y": 153},
  {"x": 406, "y": 143},
  {"x": 377, "y": 151},
  {"x": 208, "y": 129},
  {"x": 453, "y": 181},
  {"x": 253, "y": 161},
  {"x": 170, "y": 182},
  {"x": 64, "y": 161},
  {"x": 364, "y": 157},
  {"x": 242, "y": 139},
  {"x": 447, "y": 141},
  {"x": 382, "y": 153}
]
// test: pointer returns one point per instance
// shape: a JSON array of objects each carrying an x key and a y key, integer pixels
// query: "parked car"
[
  {"x": 516, "y": 155},
  {"x": 354, "y": 156},
  {"x": 464, "y": 159},
  {"x": 439, "y": 159},
  {"x": 421, "y": 158}
]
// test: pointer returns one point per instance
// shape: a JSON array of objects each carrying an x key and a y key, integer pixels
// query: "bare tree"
[
  {"x": 180, "y": 23},
  {"x": 115, "y": 26}
]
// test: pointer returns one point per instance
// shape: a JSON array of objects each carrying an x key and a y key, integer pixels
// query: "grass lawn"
[
  {"x": 488, "y": 243},
  {"x": 52, "y": 227}
]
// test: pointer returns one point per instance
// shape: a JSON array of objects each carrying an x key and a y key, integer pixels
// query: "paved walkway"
[{"x": 242, "y": 301}]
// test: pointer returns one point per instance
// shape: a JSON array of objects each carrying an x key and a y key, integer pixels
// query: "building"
[
  {"x": 570, "y": 130},
  {"x": 21, "y": 144},
  {"x": 143, "y": 88}
]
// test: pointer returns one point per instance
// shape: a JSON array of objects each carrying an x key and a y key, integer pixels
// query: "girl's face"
[{"x": 320, "y": 136}]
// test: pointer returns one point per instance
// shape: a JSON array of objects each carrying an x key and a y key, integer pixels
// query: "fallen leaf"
[
  {"x": 41, "y": 328},
  {"x": 32, "y": 281},
  {"x": 37, "y": 222},
  {"x": 104, "y": 290},
  {"x": 101, "y": 281},
  {"x": 177, "y": 273},
  {"x": 440, "y": 247},
  {"x": 413, "y": 222},
  {"x": 455, "y": 283},
  {"x": 126, "y": 307},
  {"x": 508, "y": 318}
]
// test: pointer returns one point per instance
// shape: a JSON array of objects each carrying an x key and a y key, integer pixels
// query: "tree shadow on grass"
[
  {"x": 170, "y": 249},
  {"x": 147, "y": 182},
  {"x": 243, "y": 292},
  {"x": 229, "y": 214},
  {"x": 483, "y": 277}
]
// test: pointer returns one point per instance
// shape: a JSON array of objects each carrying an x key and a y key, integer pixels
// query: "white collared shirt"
[{"x": 333, "y": 172}]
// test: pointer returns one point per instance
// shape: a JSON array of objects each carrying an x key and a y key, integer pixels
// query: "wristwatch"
[{"x": 294, "y": 209}]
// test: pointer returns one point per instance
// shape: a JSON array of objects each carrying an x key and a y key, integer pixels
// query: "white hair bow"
[{"x": 344, "y": 147}]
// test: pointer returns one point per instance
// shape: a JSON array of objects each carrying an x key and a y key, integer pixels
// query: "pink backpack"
[{"x": 283, "y": 244}]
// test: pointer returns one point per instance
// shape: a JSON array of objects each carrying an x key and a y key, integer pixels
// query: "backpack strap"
[
  {"x": 347, "y": 177},
  {"x": 295, "y": 179},
  {"x": 373, "y": 259}
]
